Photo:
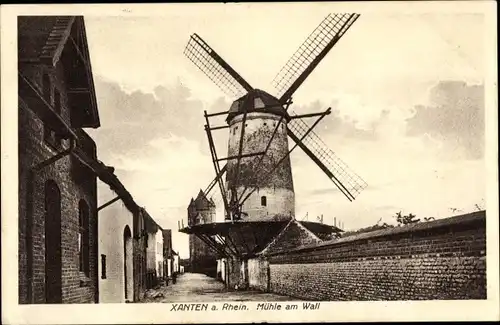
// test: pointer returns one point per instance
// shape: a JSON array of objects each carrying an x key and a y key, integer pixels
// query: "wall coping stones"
[{"x": 478, "y": 217}]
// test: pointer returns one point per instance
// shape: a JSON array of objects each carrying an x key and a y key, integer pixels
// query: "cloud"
[
  {"x": 454, "y": 116},
  {"x": 338, "y": 124},
  {"x": 130, "y": 121}
]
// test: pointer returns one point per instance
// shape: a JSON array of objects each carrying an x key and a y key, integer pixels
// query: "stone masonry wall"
[
  {"x": 443, "y": 259},
  {"x": 273, "y": 181}
]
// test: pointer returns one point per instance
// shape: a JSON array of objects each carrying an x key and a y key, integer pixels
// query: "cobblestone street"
[{"x": 195, "y": 287}]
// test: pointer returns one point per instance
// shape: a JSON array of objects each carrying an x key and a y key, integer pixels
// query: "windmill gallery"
[{"x": 258, "y": 248}]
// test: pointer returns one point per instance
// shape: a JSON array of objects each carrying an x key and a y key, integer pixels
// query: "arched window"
[
  {"x": 84, "y": 238},
  {"x": 53, "y": 256},
  {"x": 263, "y": 200}
]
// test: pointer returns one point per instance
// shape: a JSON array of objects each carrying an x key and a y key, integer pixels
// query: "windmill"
[{"x": 258, "y": 192}]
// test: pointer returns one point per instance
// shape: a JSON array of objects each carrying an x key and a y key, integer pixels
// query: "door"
[
  {"x": 128, "y": 264},
  {"x": 53, "y": 263}
]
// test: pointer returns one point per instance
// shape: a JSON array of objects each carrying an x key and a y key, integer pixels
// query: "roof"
[
  {"x": 202, "y": 201},
  {"x": 106, "y": 175},
  {"x": 42, "y": 39},
  {"x": 264, "y": 231},
  {"x": 150, "y": 223},
  {"x": 298, "y": 235},
  {"x": 256, "y": 100}
]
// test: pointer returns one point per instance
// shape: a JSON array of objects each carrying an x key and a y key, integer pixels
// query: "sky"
[{"x": 406, "y": 92}]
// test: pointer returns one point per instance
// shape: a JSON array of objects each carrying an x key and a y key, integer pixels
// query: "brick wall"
[
  {"x": 76, "y": 287},
  {"x": 443, "y": 259}
]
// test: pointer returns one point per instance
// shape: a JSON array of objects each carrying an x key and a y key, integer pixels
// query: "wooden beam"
[
  {"x": 310, "y": 115},
  {"x": 217, "y": 114},
  {"x": 242, "y": 156},
  {"x": 219, "y": 127}
]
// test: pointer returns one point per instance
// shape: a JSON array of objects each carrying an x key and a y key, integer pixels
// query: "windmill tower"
[
  {"x": 252, "y": 120},
  {"x": 201, "y": 211},
  {"x": 258, "y": 193}
]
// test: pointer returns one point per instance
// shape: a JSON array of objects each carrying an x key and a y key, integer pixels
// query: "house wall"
[
  {"x": 139, "y": 247},
  {"x": 159, "y": 254},
  {"x": 442, "y": 259},
  {"x": 258, "y": 274},
  {"x": 170, "y": 267},
  {"x": 76, "y": 286},
  {"x": 175, "y": 264},
  {"x": 151, "y": 252},
  {"x": 113, "y": 220}
]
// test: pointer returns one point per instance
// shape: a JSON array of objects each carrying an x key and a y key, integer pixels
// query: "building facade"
[
  {"x": 152, "y": 229},
  {"x": 159, "y": 254},
  {"x": 57, "y": 189},
  {"x": 202, "y": 259},
  {"x": 167, "y": 252},
  {"x": 116, "y": 267}
]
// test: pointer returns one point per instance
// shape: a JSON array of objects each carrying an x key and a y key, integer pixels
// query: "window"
[
  {"x": 263, "y": 201},
  {"x": 83, "y": 238},
  {"x": 103, "y": 266}
]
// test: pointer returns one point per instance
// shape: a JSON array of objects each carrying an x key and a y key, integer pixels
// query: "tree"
[
  {"x": 405, "y": 219},
  {"x": 375, "y": 227}
]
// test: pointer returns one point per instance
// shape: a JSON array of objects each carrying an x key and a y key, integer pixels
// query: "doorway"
[
  {"x": 128, "y": 263},
  {"x": 53, "y": 262}
]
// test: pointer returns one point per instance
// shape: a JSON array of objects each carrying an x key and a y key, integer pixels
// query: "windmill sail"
[
  {"x": 347, "y": 181},
  {"x": 215, "y": 68},
  {"x": 310, "y": 53}
]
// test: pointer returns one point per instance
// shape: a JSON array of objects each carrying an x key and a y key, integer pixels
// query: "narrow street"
[{"x": 195, "y": 287}]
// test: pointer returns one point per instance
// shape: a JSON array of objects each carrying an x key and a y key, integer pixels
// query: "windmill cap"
[{"x": 256, "y": 100}]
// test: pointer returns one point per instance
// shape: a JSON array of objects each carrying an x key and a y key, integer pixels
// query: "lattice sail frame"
[
  {"x": 312, "y": 50},
  {"x": 202, "y": 56},
  {"x": 348, "y": 179},
  {"x": 333, "y": 26}
]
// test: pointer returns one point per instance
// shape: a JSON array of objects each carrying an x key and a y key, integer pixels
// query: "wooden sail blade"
[
  {"x": 310, "y": 53},
  {"x": 348, "y": 182},
  {"x": 215, "y": 68}
]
